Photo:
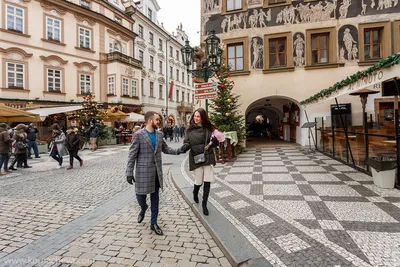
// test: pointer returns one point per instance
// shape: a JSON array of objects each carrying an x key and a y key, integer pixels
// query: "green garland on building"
[{"x": 382, "y": 64}]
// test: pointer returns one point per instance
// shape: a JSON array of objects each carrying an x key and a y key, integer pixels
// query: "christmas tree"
[
  {"x": 224, "y": 108},
  {"x": 90, "y": 111}
]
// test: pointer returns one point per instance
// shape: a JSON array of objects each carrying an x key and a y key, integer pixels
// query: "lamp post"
[{"x": 210, "y": 65}]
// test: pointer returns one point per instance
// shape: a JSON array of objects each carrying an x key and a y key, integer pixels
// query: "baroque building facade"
[
  {"x": 282, "y": 51},
  {"x": 167, "y": 87},
  {"x": 54, "y": 51}
]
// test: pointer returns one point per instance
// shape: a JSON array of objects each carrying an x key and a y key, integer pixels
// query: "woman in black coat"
[{"x": 201, "y": 160}]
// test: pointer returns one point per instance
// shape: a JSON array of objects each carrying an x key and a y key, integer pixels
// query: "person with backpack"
[
  {"x": 72, "y": 142},
  {"x": 20, "y": 147},
  {"x": 94, "y": 132}
]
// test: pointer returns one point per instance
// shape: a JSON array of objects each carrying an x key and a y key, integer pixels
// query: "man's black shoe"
[
  {"x": 12, "y": 168},
  {"x": 141, "y": 215},
  {"x": 29, "y": 157},
  {"x": 156, "y": 229},
  {"x": 27, "y": 167},
  {"x": 38, "y": 157}
]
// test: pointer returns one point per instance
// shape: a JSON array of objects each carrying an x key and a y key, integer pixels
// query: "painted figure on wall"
[
  {"x": 210, "y": 5},
  {"x": 257, "y": 50},
  {"x": 348, "y": 41},
  {"x": 344, "y": 8},
  {"x": 299, "y": 44},
  {"x": 254, "y": 2},
  {"x": 226, "y": 24}
]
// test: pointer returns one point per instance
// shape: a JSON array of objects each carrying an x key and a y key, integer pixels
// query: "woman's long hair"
[{"x": 205, "y": 120}]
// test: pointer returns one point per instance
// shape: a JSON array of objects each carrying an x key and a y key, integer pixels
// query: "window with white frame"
[
  {"x": 151, "y": 38},
  {"x": 125, "y": 86},
  {"x": 177, "y": 75},
  {"x": 111, "y": 85},
  {"x": 118, "y": 20},
  {"x": 160, "y": 66},
  {"x": 160, "y": 91},
  {"x": 85, "y": 83},
  {"x": 53, "y": 80},
  {"x": 141, "y": 31},
  {"x": 141, "y": 55},
  {"x": 134, "y": 88},
  {"x": 171, "y": 69},
  {"x": 15, "y": 75},
  {"x": 142, "y": 87},
  {"x": 15, "y": 19},
  {"x": 152, "y": 89},
  {"x": 84, "y": 38},
  {"x": 115, "y": 46},
  {"x": 188, "y": 79},
  {"x": 183, "y": 77},
  {"x": 85, "y": 4},
  {"x": 188, "y": 97},
  {"x": 233, "y": 5},
  {"x": 150, "y": 14},
  {"x": 177, "y": 55},
  {"x": 151, "y": 63},
  {"x": 160, "y": 44},
  {"x": 53, "y": 29}
]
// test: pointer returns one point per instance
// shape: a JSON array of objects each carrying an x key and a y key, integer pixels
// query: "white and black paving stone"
[
  {"x": 87, "y": 217},
  {"x": 308, "y": 210}
]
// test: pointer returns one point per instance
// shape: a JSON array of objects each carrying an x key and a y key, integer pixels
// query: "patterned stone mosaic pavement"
[{"x": 308, "y": 210}]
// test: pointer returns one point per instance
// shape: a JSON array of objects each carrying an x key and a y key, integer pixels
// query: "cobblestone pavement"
[
  {"x": 308, "y": 210},
  {"x": 88, "y": 217}
]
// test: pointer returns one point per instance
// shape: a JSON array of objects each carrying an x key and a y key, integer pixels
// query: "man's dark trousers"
[
  {"x": 154, "y": 198},
  {"x": 33, "y": 144}
]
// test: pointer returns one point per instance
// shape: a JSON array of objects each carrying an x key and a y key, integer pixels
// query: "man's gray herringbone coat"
[{"x": 147, "y": 161}]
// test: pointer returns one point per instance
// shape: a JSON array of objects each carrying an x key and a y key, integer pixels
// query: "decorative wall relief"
[
  {"x": 259, "y": 17},
  {"x": 344, "y": 8},
  {"x": 257, "y": 53},
  {"x": 255, "y": 2},
  {"x": 304, "y": 13},
  {"x": 348, "y": 47},
  {"x": 211, "y": 6},
  {"x": 298, "y": 49}
]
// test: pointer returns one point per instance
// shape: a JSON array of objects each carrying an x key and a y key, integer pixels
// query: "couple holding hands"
[{"x": 145, "y": 153}]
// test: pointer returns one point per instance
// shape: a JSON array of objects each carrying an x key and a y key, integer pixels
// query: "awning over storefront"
[
  {"x": 134, "y": 117},
  {"x": 9, "y": 114},
  {"x": 386, "y": 69},
  {"x": 44, "y": 112},
  {"x": 115, "y": 115}
]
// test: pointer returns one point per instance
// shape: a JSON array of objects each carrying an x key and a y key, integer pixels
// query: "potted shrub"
[{"x": 383, "y": 171}]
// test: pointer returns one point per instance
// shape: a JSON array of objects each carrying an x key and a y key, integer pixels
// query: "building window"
[
  {"x": 177, "y": 95},
  {"x": 141, "y": 55},
  {"x": 85, "y": 83},
  {"x": 141, "y": 31},
  {"x": 188, "y": 97},
  {"x": 183, "y": 97},
  {"x": 177, "y": 75},
  {"x": 183, "y": 77},
  {"x": 160, "y": 91},
  {"x": 84, "y": 38},
  {"x": 125, "y": 86},
  {"x": 53, "y": 29},
  {"x": 150, "y": 14},
  {"x": 235, "y": 56},
  {"x": 111, "y": 85},
  {"x": 170, "y": 72},
  {"x": 160, "y": 44},
  {"x": 53, "y": 80},
  {"x": 160, "y": 66},
  {"x": 15, "y": 19},
  {"x": 320, "y": 48},
  {"x": 277, "y": 52},
  {"x": 142, "y": 87},
  {"x": 233, "y": 5},
  {"x": 115, "y": 46},
  {"x": 152, "y": 89},
  {"x": 177, "y": 55},
  {"x": 134, "y": 88},
  {"x": 151, "y": 38},
  {"x": 188, "y": 79},
  {"x": 192, "y": 98},
  {"x": 15, "y": 75},
  {"x": 170, "y": 51},
  {"x": 373, "y": 43},
  {"x": 118, "y": 20},
  {"x": 85, "y": 4},
  {"x": 151, "y": 63}
]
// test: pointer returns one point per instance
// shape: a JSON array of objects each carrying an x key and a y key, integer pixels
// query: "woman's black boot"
[
  {"x": 196, "y": 193},
  {"x": 206, "y": 193}
]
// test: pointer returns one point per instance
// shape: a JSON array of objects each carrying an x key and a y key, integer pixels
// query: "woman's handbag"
[
  {"x": 201, "y": 158},
  {"x": 21, "y": 145}
]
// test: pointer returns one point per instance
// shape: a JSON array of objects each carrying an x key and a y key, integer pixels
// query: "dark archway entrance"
[{"x": 272, "y": 121}]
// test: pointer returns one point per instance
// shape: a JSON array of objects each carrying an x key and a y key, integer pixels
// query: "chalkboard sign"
[
  {"x": 341, "y": 109},
  {"x": 389, "y": 87}
]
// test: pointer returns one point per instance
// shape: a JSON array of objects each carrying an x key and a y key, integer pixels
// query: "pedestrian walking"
[
  {"x": 5, "y": 141},
  {"x": 57, "y": 147},
  {"x": 176, "y": 133},
  {"x": 20, "y": 147},
  {"x": 182, "y": 130},
  {"x": 32, "y": 132},
  {"x": 94, "y": 132},
  {"x": 145, "y": 153},
  {"x": 72, "y": 142},
  {"x": 201, "y": 161}
]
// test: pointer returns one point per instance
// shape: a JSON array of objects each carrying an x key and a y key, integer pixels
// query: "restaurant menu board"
[{"x": 341, "y": 109}]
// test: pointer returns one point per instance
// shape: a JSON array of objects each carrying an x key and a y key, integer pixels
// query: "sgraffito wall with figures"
[{"x": 294, "y": 49}]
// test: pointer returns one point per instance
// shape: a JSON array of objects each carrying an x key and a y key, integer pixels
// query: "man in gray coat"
[{"x": 145, "y": 154}]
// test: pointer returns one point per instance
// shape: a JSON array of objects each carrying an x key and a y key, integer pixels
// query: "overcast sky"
[{"x": 173, "y": 12}]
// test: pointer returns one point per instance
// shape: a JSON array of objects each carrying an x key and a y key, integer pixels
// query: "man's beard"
[{"x": 155, "y": 127}]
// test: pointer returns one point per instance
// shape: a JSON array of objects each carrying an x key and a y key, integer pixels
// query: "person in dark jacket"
[
  {"x": 31, "y": 137},
  {"x": 94, "y": 132},
  {"x": 176, "y": 133},
  {"x": 197, "y": 136},
  {"x": 21, "y": 146},
  {"x": 72, "y": 141},
  {"x": 5, "y": 141}
]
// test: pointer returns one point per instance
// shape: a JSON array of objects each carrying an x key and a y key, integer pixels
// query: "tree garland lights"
[{"x": 382, "y": 64}]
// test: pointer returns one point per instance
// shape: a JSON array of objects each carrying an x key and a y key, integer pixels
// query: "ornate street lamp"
[{"x": 210, "y": 65}]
